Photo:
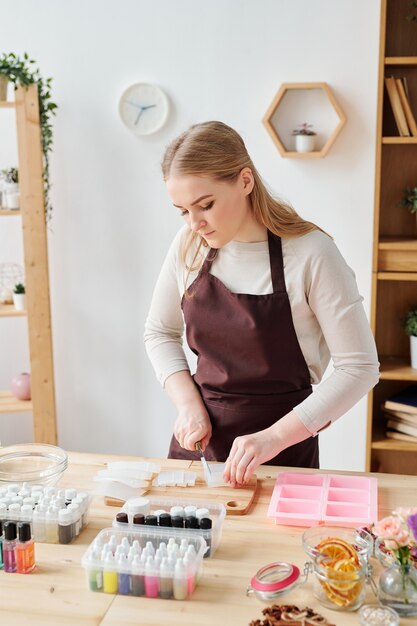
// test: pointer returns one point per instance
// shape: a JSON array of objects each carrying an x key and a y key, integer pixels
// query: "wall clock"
[{"x": 144, "y": 108}]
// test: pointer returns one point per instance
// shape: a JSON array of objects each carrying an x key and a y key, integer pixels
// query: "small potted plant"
[
  {"x": 19, "y": 297},
  {"x": 410, "y": 327},
  {"x": 11, "y": 188},
  {"x": 305, "y": 138},
  {"x": 409, "y": 199}
]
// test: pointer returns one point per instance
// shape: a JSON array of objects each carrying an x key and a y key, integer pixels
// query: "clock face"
[{"x": 143, "y": 108}]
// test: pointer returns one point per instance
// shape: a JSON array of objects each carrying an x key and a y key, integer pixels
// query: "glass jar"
[
  {"x": 398, "y": 589},
  {"x": 341, "y": 585}
]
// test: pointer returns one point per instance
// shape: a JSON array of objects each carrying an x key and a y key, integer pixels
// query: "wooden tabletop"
[{"x": 56, "y": 593}]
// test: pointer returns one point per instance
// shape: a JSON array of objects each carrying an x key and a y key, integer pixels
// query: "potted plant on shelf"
[
  {"x": 19, "y": 297},
  {"x": 305, "y": 138},
  {"x": 410, "y": 327},
  {"x": 409, "y": 199},
  {"x": 11, "y": 188}
]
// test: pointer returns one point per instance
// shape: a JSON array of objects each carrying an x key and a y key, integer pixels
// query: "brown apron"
[{"x": 250, "y": 368}]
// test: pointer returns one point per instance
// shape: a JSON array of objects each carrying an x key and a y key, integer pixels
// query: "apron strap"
[
  {"x": 210, "y": 256},
  {"x": 277, "y": 263}
]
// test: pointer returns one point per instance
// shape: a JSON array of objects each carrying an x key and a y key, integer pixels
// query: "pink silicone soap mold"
[{"x": 303, "y": 499}]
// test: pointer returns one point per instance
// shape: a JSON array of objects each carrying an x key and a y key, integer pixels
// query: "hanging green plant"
[{"x": 22, "y": 71}]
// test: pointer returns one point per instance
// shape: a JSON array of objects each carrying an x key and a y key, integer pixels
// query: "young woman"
[{"x": 266, "y": 299}]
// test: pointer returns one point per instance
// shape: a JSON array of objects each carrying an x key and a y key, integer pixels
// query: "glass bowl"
[
  {"x": 32, "y": 463},
  {"x": 361, "y": 540}
]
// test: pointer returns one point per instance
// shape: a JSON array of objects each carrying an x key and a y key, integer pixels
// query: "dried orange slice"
[{"x": 337, "y": 548}]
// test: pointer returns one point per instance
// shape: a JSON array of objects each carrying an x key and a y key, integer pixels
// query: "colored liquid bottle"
[
  {"x": 123, "y": 574},
  {"x": 138, "y": 580},
  {"x": 180, "y": 581},
  {"x": 9, "y": 547},
  {"x": 165, "y": 583},
  {"x": 25, "y": 549},
  {"x": 110, "y": 581},
  {"x": 151, "y": 579}
]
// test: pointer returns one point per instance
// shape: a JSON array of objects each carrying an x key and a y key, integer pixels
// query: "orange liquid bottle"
[{"x": 25, "y": 549}]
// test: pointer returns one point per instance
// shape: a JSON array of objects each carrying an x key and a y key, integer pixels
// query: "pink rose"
[{"x": 392, "y": 531}]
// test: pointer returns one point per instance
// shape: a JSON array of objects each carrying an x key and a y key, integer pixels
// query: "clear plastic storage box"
[
  {"x": 55, "y": 515},
  {"x": 212, "y": 536},
  {"x": 147, "y": 563}
]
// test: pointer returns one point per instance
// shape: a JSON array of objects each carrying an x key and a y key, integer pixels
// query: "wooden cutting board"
[{"x": 237, "y": 501}]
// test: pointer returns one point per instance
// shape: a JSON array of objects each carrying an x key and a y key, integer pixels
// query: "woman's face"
[{"x": 218, "y": 211}]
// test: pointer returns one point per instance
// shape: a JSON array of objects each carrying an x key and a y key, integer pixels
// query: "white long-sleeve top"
[{"x": 328, "y": 316}]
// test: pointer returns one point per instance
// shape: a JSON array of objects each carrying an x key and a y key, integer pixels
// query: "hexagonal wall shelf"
[{"x": 298, "y": 103}]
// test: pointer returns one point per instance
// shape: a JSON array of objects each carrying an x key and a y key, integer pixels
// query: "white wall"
[{"x": 112, "y": 219}]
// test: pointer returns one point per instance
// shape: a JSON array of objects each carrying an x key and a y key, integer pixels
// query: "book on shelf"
[
  {"x": 396, "y": 106},
  {"x": 392, "y": 434},
  {"x": 400, "y": 415},
  {"x": 409, "y": 116},
  {"x": 402, "y": 427},
  {"x": 405, "y": 400}
]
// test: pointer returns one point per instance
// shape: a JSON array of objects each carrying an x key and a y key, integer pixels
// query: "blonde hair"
[{"x": 217, "y": 151}]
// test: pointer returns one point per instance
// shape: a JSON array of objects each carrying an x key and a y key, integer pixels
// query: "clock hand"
[
  {"x": 139, "y": 114},
  {"x": 138, "y": 106},
  {"x": 150, "y": 106}
]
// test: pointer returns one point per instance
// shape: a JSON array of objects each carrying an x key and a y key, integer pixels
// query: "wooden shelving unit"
[
  {"x": 32, "y": 215},
  {"x": 394, "y": 288}
]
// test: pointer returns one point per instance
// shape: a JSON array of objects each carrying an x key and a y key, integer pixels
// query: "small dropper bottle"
[
  {"x": 9, "y": 547},
  {"x": 25, "y": 549}
]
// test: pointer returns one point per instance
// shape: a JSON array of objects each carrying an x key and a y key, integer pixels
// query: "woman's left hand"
[{"x": 247, "y": 453}]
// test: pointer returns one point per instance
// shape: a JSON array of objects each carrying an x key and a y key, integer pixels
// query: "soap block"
[
  {"x": 213, "y": 475},
  {"x": 172, "y": 479}
]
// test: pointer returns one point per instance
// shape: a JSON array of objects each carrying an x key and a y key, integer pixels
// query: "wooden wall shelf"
[
  {"x": 268, "y": 119},
  {"x": 397, "y": 368},
  {"x": 400, "y": 60},
  {"x": 8, "y": 310},
  {"x": 8, "y": 212},
  {"x": 400, "y": 140},
  {"x": 10, "y": 404}
]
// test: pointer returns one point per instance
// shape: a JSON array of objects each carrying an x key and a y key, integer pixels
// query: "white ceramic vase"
[
  {"x": 19, "y": 301},
  {"x": 413, "y": 351},
  {"x": 305, "y": 143}
]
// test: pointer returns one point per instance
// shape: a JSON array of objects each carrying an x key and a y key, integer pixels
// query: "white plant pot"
[
  {"x": 305, "y": 143},
  {"x": 413, "y": 351},
  {"x": 19, "y": 301},
  {"x": 11, "y": 196}
]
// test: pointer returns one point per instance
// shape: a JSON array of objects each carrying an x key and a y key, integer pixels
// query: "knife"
[{"x": 203, "y": 458}]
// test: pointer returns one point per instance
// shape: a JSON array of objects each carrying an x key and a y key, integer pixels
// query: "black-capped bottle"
[
  {"x": 206, "y": 524},
  {"x": 25, "y": 549}
]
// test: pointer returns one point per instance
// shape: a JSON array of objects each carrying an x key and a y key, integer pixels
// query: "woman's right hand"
[{"x": 192, "y": 425}]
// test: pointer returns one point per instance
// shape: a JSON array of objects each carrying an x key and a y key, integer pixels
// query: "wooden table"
[{"x": 57, "y": 593}]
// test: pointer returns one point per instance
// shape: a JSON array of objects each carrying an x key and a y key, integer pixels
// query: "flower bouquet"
[{"x": 396, "y": 548}]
